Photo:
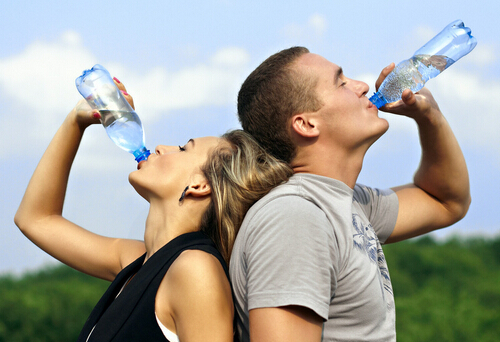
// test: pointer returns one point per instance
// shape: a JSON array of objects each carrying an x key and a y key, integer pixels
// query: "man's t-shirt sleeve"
[
  {"x": 381, "y": 208},
  {"x": 291, "y": 256}
]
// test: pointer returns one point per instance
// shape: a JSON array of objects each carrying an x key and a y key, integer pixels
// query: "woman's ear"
[
  {"x": 305, "y": 125},
  {"x": 199, "y": 187}
]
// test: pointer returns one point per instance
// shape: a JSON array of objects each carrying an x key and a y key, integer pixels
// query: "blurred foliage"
[
  {"x": 50, "y": 305},
  {"x": 445, "y": 291}
]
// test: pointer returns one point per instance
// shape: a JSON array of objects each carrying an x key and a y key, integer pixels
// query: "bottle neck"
[
  {"x": 378, "y": 99},
  {"x": 141, "y": 154}
]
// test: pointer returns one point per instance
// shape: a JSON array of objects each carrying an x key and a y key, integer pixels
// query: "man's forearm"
[{"x": 442, "y": 172}]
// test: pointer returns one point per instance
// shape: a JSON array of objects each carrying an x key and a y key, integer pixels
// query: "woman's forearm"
[{"x": 46, "y": 190}]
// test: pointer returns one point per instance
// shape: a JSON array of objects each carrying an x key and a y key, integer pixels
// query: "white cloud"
[
  {"x": 38, "y": 89},
  {"x": 43, "y": 75},
  {"x": 214, "y": 82},
  {"x": 232, "y": 56},
  {"x": 316, "y": 26},
  {"x": 483, "y": 55},
  {"x": 318, "y": 23},
  {"x": 470, "y": 104},
  {"x": 39, "y": 85}
]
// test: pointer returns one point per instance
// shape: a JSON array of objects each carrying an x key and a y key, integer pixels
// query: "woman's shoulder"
[
  {"x": 195, "y": 295},
  {"x": 195, "y": 270},
  {"x": 196, "y": 262},
  {"x": 196, "y": 277}
]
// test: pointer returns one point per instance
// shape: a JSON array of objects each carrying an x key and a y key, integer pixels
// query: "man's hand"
[{"x": 414, "y": 105}]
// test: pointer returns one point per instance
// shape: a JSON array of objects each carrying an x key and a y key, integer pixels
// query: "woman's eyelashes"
[{"x": 160, "y": 151}]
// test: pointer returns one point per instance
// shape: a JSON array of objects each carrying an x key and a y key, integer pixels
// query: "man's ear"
[
  {"x": 199, "y": 187},
  {"x": 305, "y": 125}
]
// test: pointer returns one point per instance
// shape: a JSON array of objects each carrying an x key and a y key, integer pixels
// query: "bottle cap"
[
  {"x": 142, "y": 155},
  {"x": 378, "y": 99}
]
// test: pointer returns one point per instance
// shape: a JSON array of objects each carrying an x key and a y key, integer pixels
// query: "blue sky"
[{"x": 184, "y": 61}]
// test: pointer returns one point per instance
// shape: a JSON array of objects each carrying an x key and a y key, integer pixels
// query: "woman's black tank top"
[{"x": 131, "y": 315}]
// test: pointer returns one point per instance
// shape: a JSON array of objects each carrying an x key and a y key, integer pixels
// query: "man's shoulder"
[
  {"x": 307, "y": 193},
  {"x": 299, "y": 186},
  {"x": 285, "y": 197},
  {"x": 286, "y": 207}
]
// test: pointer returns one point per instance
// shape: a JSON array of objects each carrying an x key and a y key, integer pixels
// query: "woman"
[{"x": 198, "y": 195}]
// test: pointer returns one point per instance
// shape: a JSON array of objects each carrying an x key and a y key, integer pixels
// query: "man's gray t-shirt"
[{"x": 315, "y": 242}]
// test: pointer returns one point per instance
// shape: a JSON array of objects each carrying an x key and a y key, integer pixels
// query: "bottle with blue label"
[
  {"x": 451, "y": 44},
  {"x": 121, "y": 122}
]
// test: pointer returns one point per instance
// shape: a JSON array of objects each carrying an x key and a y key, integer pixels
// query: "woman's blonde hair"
[{"x": 239, "y": 172}]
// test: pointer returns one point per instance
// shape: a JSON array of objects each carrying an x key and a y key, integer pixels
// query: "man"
[{"x": 307, "y": 264}]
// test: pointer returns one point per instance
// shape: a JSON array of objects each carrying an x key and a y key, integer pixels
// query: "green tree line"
[{"x": 444, "y": 291}]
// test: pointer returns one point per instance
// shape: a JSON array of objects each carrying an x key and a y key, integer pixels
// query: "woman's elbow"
[
  {"x": 461, "y": 208},
  {"x": 19, "y": 220},
  {"x": 23, "y": 220}
]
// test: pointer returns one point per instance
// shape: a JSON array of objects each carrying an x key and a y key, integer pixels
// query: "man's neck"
[{"x": 342, "y": 167}]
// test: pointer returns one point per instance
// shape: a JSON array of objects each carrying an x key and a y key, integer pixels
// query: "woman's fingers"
[{"x": 122, "y": 88}]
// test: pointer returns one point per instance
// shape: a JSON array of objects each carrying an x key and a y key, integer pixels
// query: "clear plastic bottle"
[
  {"x": 451, "y": 44},
  {"x": 121, "y": 122}
]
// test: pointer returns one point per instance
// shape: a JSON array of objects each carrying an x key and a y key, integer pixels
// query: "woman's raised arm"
[{"x": 39, "y": 216}]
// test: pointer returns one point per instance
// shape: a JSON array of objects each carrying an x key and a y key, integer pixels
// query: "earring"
[{"x": 183, "y": 194}]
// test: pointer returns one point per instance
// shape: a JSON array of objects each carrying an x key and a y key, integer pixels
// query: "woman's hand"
[
  {"x": 85, "y": 116},
  {"x": 129, "y": 98}
]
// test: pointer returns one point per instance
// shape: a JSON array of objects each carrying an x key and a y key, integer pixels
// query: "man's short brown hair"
[{"x": 270, "y": 96}]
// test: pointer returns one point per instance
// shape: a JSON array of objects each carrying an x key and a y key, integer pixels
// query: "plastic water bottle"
[
  {"x": 451, "y": 44},
  {"x": 117, "y": 116}
]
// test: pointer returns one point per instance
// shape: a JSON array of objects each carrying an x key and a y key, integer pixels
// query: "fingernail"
[
  {"x": 97, "y": 116},
  {"x": 124, "y": 92},
  {"x": 117, "y": 81}
]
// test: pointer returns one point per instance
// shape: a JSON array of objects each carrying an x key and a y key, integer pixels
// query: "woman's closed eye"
[{"x": 183, "y": 148}]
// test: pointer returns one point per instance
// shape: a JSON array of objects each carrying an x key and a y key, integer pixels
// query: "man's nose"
[{"x": 360, "y": 87}]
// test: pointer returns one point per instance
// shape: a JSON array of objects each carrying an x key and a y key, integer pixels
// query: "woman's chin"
[{"x": 138, "y": 188}]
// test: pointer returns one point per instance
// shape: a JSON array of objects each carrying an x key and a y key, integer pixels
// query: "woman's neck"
[{"x": 165, "y": 222}]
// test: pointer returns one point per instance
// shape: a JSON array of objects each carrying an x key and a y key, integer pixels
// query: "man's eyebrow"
[{"x": 190, "y": 141}]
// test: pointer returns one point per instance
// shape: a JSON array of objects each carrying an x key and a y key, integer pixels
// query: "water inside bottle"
[
  {"x": 124, "y": 128},
  {"x": 412, "y": 74}
]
